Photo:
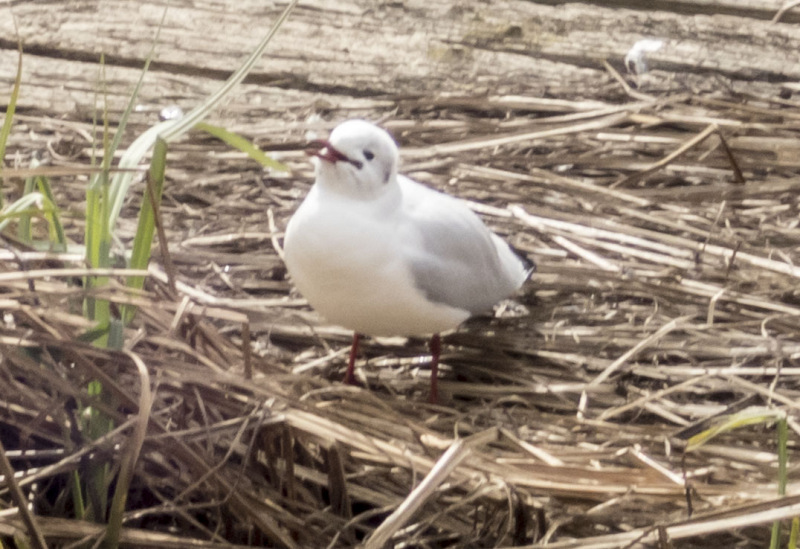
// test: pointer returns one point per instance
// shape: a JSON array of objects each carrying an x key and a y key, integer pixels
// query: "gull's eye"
[{"x": 369, "y": 155}]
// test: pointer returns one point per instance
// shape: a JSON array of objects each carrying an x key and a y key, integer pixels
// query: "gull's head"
[{"x": 358, "y": 159}]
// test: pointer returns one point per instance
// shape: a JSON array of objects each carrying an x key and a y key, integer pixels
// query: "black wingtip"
[{"x": 528, "y": 263}]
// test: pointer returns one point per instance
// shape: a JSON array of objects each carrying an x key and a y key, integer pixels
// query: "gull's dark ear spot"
[{"x": 387, "y": 174}]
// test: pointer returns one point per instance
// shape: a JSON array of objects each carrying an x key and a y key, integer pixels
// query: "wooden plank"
[
  {"x": 756, "y": 9},
  {"x": 356, "y": 49}
]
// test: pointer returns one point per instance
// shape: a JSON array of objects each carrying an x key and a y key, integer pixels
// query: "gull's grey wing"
[{"x": 454, "y": 258}]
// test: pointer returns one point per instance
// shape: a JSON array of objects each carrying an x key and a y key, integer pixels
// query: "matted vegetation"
[{"x": 665, "y": 230}]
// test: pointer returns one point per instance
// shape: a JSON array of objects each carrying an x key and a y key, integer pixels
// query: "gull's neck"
[{"x": 330, "y": 182}]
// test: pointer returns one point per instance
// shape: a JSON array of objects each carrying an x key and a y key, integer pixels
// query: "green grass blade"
[
  {"x": 129, "y": 458},
  {"x": 116, "y": 334},
  {"x": 5, "y": 131},
  {"x": 98, "y": 250},
  {"x": 171, "y": 130},
  {"x": 31, "y": 203},
  {"x": 94, "y": 334},
  {"x": 123, "y": 121},
  {"x": 752, "y": 416},
  {"x": 24, "y": 224},
  {"x": 97, "y": 238},
  {"x": 21, "y": 541},
  {"x": 143, "y": 241},
  {"x": 238, "y": 142},
  {"x": 783, "y": 462},
  {"x": 58, "y": 240},
  {"x": 783, "y": 455},
  {"x": 201, "y": 111},
  {"x": 749, "y": 416},
  {"x": 101, "y": 196},
  {"x": 131, "y": 158},
  {"x": 121, "y": 181},
  {"x": 78, "y": 504},
  {"x": 134, "y": 154}
]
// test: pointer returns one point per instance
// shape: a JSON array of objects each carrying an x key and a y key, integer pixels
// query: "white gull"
[{"x": 380, "y": 254}]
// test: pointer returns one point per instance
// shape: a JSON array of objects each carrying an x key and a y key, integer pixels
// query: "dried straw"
[{"x": 666, "y": 237}]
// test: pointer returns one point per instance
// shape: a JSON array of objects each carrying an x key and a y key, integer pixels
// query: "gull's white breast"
[{"x": 348, "y": 259}]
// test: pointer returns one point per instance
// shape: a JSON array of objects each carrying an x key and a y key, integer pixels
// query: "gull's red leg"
[
  {"x": 349, "y": 376},
  {"x": 435, "y": 346}
]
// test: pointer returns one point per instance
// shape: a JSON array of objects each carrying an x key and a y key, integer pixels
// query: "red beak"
[{"x": 322, "y": 149}]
